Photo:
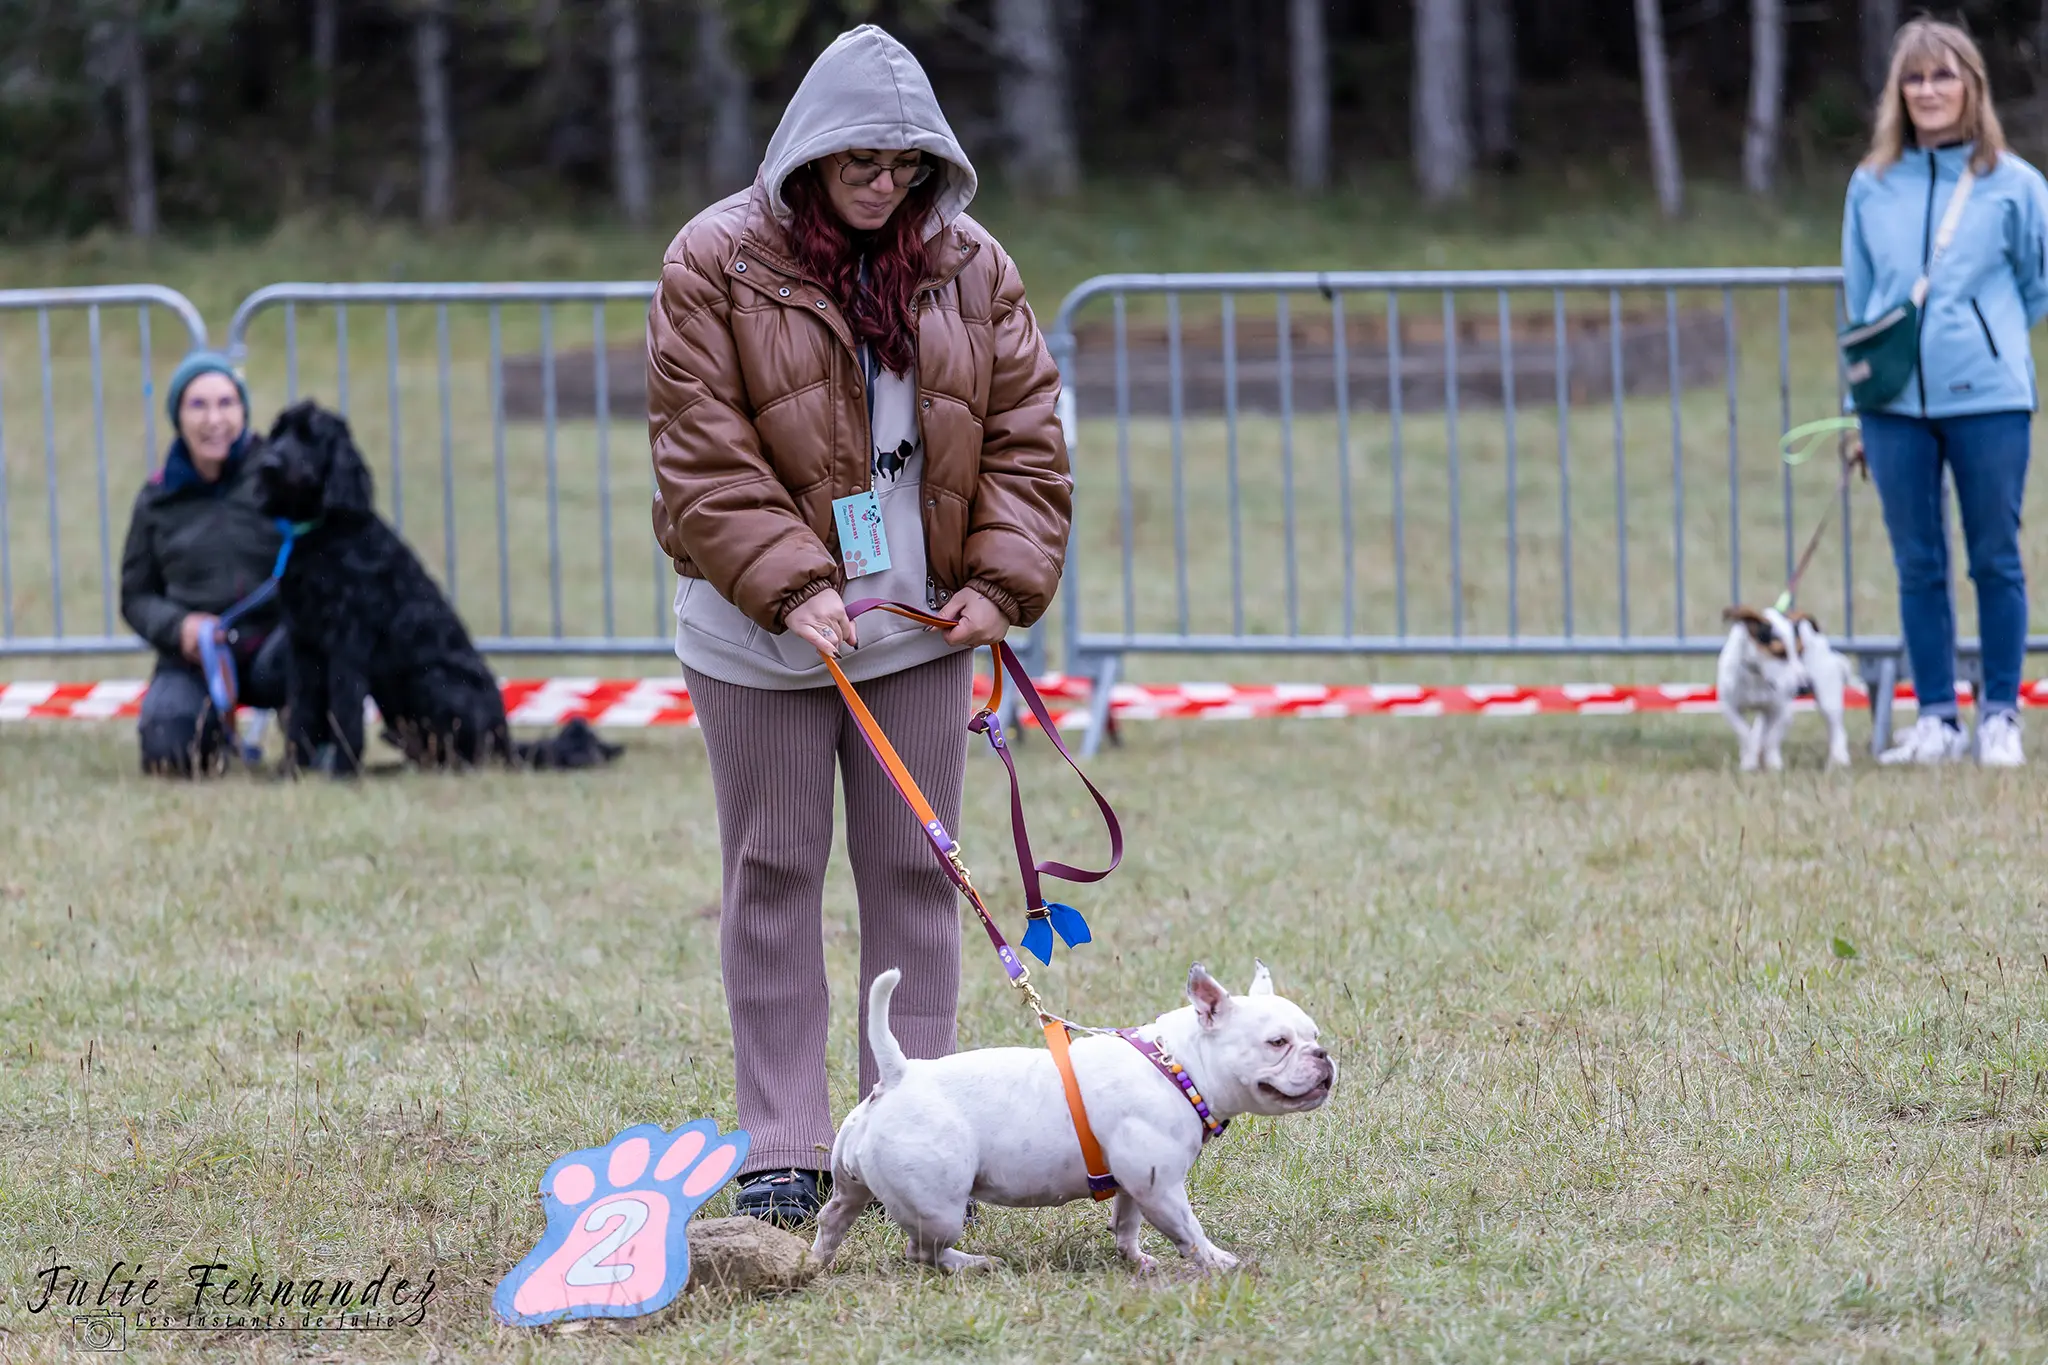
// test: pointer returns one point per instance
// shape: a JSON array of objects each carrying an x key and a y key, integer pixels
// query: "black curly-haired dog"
[{"x": 364, "y": 619}]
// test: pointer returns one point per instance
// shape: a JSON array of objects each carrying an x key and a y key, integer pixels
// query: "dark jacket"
[{"x": 197, "y": 546}]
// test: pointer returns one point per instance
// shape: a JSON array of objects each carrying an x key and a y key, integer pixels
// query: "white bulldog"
[{"x": 993, "y": 1124}]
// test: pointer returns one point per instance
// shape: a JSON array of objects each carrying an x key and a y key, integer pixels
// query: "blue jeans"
[{"x": 1987, "y": 455}]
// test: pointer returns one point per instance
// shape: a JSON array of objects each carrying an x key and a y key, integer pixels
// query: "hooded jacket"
[
  {"x": 757, "y": 399},
  {"x": 1984, "y": 294}
]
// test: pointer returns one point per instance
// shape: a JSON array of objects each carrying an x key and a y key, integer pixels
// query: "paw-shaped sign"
[{"x": 617, "y": 1243}]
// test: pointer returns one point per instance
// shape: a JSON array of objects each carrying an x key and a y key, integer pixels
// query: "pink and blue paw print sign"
[{"x": 617, "y": 1243}]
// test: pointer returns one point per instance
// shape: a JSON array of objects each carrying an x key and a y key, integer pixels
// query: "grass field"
[{"x": 1639, "y": 1060}]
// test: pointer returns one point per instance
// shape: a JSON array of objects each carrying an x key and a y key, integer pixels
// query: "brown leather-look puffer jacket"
[{"x": 757, "y": 414}]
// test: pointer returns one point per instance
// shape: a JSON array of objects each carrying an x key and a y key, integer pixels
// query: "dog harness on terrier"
[{"x": 1043, "y": 919}]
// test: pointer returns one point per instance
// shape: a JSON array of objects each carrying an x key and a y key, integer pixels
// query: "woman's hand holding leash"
[
  {"x": 189, "y": 631},
  {"x": 981, "y": 622},
  {"x": 823, "y": 621}
]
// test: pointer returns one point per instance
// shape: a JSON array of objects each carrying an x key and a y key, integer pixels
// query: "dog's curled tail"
[{"x": 890, "y": 1062}]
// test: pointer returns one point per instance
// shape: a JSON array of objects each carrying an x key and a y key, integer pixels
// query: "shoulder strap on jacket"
[{"x": 1946, "y": 233}]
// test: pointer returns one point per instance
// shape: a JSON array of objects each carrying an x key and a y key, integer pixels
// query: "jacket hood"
[{"x": 866, "y": 90}]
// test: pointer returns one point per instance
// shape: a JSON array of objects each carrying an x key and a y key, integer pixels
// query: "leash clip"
[{"x": 959, "y": 867}]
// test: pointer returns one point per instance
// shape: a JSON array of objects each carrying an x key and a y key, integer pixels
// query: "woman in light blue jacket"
[{"x": 1969, "y": 405}]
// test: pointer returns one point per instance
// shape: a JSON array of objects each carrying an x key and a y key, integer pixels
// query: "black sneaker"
[{"x": 786, "y": 1199}]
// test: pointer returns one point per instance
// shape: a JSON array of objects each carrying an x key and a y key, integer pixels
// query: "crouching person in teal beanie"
[{"x": 197, "y": 544}]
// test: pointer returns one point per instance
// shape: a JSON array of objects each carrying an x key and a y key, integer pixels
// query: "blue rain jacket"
[{"x": 1990, "y": 287}]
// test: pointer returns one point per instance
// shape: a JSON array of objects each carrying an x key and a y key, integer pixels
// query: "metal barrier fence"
[
  {"x": 489, "y": 412},
  {"x": 1477, "y": 463},
  {"x": 1264, "y": 466},
  {"x": 95, "y": 385},
  {"x": 474, "y": 398}
]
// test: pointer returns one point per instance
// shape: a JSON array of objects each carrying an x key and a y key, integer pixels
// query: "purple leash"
[{"x": 1043, "y": 918}]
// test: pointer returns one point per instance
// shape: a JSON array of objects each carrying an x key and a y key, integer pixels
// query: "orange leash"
[{"x": 1101, "y": 1184}]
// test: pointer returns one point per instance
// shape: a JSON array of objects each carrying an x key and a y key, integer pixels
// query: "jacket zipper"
[
  {"x": 1926, "y": 253},
  {"x": 1987, "y": 328}
]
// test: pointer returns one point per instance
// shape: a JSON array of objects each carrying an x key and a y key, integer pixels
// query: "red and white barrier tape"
[{"x": 638, "y": 702}]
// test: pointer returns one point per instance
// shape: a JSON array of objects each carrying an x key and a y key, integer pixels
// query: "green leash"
[{"x": 1796, "y": 446}]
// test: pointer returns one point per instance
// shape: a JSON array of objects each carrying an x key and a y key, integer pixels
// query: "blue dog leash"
[{"x": 216, "y": 655}]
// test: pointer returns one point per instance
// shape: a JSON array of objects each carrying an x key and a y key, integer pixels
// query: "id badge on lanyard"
[{"x": 863, "y": 541}]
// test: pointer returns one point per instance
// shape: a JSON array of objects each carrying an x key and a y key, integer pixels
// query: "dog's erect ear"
[
  {"x": 1262, "y": 980},
  {"x": 1207, "y": 995},
  {"x": 348, "y": 486},
  {"x": 1796, "y": 617},
  {"x": 1757, "y": 624}
]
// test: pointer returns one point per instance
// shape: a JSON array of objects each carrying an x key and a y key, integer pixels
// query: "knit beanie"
[{"x": 190, "y": 368}]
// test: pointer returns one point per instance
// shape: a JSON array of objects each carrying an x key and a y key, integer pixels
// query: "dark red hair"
[{"x": 830, "y": 252}]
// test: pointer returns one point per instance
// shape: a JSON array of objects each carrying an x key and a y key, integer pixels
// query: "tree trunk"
[
  {"x": 188, "y": 55},
  {"x": 1031, "y": 88},
  {"x": 326, "y": 30},
  {"x": 141, "y": 145},
  {"x": 1241, "y": 18},
  {"x": 629, "y": 114},
  {"x": 437, "y": 138},
  {"x": 1766, "y": 94},
  {"x": 1664, "y": 167},
  {"x": 1308, "y": 126},
  {"x": 1493, "y": 67},
  {"x": 1877, "y": 23},
  {"x": 1441, "y": 111},
  {"x": 729, "y": 158}
]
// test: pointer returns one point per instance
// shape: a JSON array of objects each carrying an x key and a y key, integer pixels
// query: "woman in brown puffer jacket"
[{"x": 842, "y": 340}]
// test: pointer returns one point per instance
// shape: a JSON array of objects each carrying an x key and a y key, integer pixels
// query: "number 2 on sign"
[
  {"x": 617, "y": 1244},
  {"x": 863, "y": 543}
]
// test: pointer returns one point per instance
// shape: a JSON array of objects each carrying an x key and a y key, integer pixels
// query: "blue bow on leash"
[
  {"x": 217, "y": 656},
  {"x": 1043, "y": 921}
]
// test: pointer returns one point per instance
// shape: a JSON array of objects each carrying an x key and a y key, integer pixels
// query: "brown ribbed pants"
[{"x": 772, "y": 759}]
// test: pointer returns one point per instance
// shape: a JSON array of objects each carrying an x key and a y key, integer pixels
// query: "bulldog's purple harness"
[{"x": 1212, "y": 1127}]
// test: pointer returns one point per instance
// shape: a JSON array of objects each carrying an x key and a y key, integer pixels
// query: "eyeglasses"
[
  {"x": 904, "y": 175},
  {"x": 1938, "y": 78}
]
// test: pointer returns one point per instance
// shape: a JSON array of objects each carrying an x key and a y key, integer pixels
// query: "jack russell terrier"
[
  {"x": 1769, "y": 660},
  {"x": 993, "y": 1124}
]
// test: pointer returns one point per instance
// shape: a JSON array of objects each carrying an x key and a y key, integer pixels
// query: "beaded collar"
[{"x": 1212, "y": 1127}]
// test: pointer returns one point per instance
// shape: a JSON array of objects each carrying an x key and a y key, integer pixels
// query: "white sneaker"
[
  {"x": 1998, "y": 741},
  {"x": 1931, "y": 740}
]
